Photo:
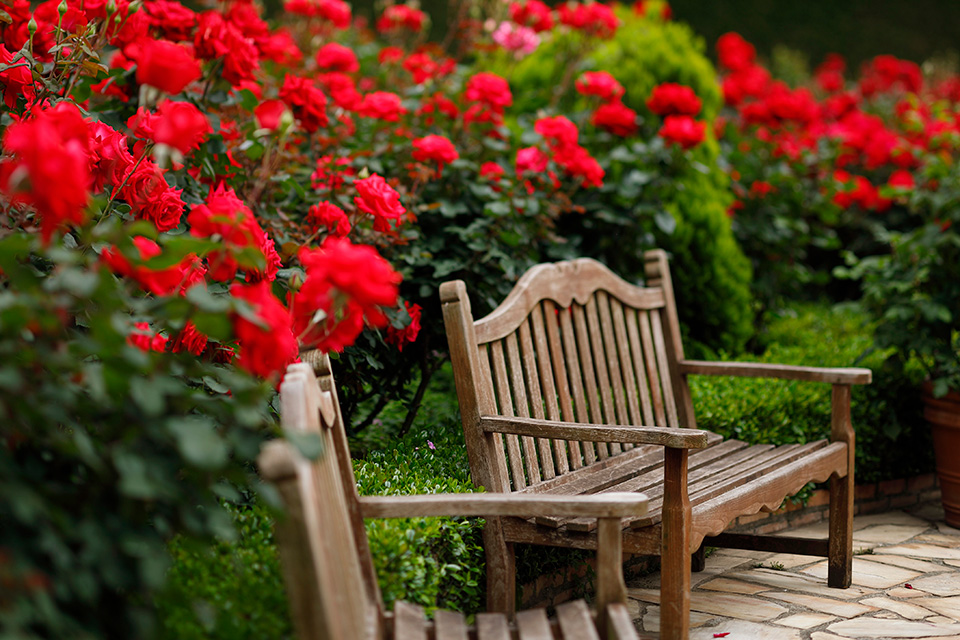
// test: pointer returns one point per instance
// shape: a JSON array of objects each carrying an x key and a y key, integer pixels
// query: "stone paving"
[{"x": 906, "y": 584}]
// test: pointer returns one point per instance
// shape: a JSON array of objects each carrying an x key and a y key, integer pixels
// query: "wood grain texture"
[
  {"x": 781, "y": 371},
  {"x": 449, "y": 625},
  {"x": 409, "y": 622},
  {"x": 619, "y": 624},
  {"x": 663, "y": 436},
  {"x": 840, "y": 555},
  {"x": 533, "y": 624},
  {"x": 675, "y": 555},
  {"x": 564, "y": 283},
  {"x": 527, "y": 505},
  {"x": 492, "y": 626},
  {"x": 576, "y": 622}
]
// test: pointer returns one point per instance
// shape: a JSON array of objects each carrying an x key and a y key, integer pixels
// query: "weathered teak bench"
[
  {"x": 554, "y": 386},
  {"x": 327, "y": 567}
]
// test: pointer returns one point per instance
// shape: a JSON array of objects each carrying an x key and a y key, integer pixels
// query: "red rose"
[
  {"x": 491, "y": 171},
  {"x": 558, "y": 130},
  {"x": 176, "y": 124},
  {"x": 436, "y": 148},
  {"x": 161, "y": 282},
  {"x": 683, "y": 130},
  {"x": 409, "y": 333},
  {"x": 330, "y": 216},
  {"x": 110, "y": 156},
  {"x": 599, "y": 83},
  {"x": 329, "y": 174},
  {"x": 336, "y": 12},
  {"x": 264, "y": 350},
  {"x": 143, "y": 338},
  {"x": 50, "y": 166},
  {"x": 17, "y": 81},
  {"x": 339, "y": 270},
  {"x": 166, "y": 66},
  {"x": 342, "y": 89},
  {"x": 615, "y": 117},
  {"x": 577, "y": 162},
  {"x": 902, "y": 180},
  {"x": 189, "y": 339},
  {"x": 307, "y": 103},
  {"x": 151, "y": 198},
  {"x": 400, "y": 16},
  {"x": 268, "y": 114},
  {"x": 533, "y": 14},
  {"x": 671, "y": 98},
  {"x": 734, "y": 52},
  {"x": 380, "y": 200},
  {"x": 336, "y": 57},
  {"x": 217, "y": 38},
  {"x": 172, "y": 19},
  {"x": 490, "y": 90},
  {"x": 531, "y": 159},
  {"x": 381, "y": 105},
  {"x": 592, "y": 18}
]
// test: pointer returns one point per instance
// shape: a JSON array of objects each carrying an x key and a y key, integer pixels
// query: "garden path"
[{"x": 906, "y": 584}]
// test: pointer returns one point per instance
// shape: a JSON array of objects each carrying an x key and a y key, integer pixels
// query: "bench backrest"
[
  {"x": 326, "y": 559},
  {"x": 572, "y": 342}
]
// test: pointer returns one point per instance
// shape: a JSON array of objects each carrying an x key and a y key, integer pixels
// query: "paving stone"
[
  {"x": 815, "y": 530},
  {"x": 952, "y": 563},
  {"x": 823, "y": 635},
  {"x": 790, "y": 560},
  {"x": 881, "y": 628},
  {"x": 869, "y": 574},
  {"x": 917, "y": 550},
  {"x": 944, "y": 584},
  {"x": 888, "y": 533},
  {"x": 903, "y": 592},
  {"x": 946, "y": 529},
  {"x": 949, "y": 607},
  {"x": 907, "y": 563},
  {"x": 732, "y": 586},
  {"x": 726, "y": 561},
  {"x": 743, "y": 630},
  {"x": 805, "y": 620},
  {"x": 730, "y": 605},
  {"x": 887, "y": 615},
  {"x": 651, "y": 619},
  {"x": 902, "y": 609},
  {"x": 824, "y": 605},
  {"x": 938, "y": 539},
  {"x": 749, "y": 554},
  {"x": 890, "y": 517},
  {"x": 940, "y": 620},
  {"x": 799, "y": 582}
]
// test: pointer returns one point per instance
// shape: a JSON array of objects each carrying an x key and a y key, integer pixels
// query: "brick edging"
[{"x": 565, "y": 584}]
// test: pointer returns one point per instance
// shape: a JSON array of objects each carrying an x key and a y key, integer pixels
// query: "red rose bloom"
[
  {"x": 307, "y": 103},
  {"x": 151, "y": 198},
  {"x": 436, "y": 148},
  {"x": 173, "y": 20},
  {"x": 600, "y": 84},
  {"x": 490, "y": 90},
  {"x": 400, "y": 16},
  {"x": 902, "y": 180},
  {"x": 176, "y": 124},
  {"x": 110, "y": 156},
  {"x": 218, "y": 38},
  {"x": 17, "y": 81},
  {"x": 339, "y": 270},
  {"x": 330, "y": 216},
  {"x": 671, "y": 98},
  {"x": 50, "y": 166},
  {"x": 268, "y": 114},
  {"x": 381, "y": 105},
  {"x": 166, "y": 66},
  {"x": 734, "y": 52},
  {"x": 264, "y": 350},
  {"x": 491, "y": 171},
  {"x": 189, "y": 339},
  {"x": 380, "y": 200},
  {"x": 336, "y": 57},
  {"x": 531, "y": 159},
  {"x": 342, "y": 89},
  {"x": 615, "y": 117},
  {"x": 558, "y": 130},
  {"x": 683, "y": 131},
  {"x": 577, "y": 162},
  {"x": 336, "y": 12},
  {"x": 409, "y": 333},
  {"x": 161, "y": 282},
  {"x": 143, "y": 338},
  {"x": 592, "y": 18},
  {"x": 533, "y": 14},
  {"x": 329, "y": 174}
]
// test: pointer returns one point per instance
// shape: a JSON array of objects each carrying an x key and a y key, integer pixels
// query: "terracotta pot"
[{"x": 943, "y": 414}]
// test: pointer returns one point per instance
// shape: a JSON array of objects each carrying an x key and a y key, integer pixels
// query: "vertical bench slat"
[
  {"x": 548, "y": 386},
  {"x": 640, "y": 376},
  {"x": 532, "y": 374},
  {"x": 612, "y": 349},
  {"x": 502, "y": 383},
  {"x": 664, "y": 366},
  {"x": 649, "y": 360},
  {"x": 603, "y": 378},
  {"x": 522, "y": 408},
  {"x": 553, "y": 322},
  {"x": 589, "y": 374},
  {"x": 497, "y": 449},
  {"x": 576, "y": 377}
]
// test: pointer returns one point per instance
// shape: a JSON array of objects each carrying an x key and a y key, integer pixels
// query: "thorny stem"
[{"x": 116, "y": 192}]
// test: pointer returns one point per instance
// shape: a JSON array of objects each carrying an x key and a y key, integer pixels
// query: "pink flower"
[{"x": 520, "y": 40}]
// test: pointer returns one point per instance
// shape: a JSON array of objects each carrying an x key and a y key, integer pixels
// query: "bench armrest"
[
  {"x": 607, "y": 505},
  {"x": 845, "y": 375},
  {"x": 664, "y": 436}
]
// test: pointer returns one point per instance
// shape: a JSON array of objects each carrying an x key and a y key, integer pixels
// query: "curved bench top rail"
[{"x": 563, "y": 283}]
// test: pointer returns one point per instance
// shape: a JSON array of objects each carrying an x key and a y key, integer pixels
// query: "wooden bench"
[
  {"x": 326, "y": 560},
  {"x": 576, "y": 384}
]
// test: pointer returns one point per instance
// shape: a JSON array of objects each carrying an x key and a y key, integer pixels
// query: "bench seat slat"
[
  {"x": 576, "y": 622},
  {"x": 533, "y": 624},
  {"x": 492, "y": 626},
  {"x": 449, "y": 625}
]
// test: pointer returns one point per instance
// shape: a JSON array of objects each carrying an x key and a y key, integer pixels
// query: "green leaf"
[
  {"x": 147, "y": 396},
  {"x": 206, "y": 301},
  {"x": 309, "y": 445},
  {"x": 199, "y": 442}
]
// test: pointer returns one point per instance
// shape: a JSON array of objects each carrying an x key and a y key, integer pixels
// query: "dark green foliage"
[
  {"x": 892, "y": 439},
  {"x": 227, "y": 590},
  {"x": 106, "y": 450}
]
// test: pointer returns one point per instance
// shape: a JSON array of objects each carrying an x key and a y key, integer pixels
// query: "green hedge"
[{"x": 892, "y": 439}]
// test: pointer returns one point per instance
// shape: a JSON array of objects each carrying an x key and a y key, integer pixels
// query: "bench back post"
[{"x": 325, "y": 556}]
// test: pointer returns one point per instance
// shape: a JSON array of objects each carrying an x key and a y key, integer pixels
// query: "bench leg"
[
  {"x": 501, "y": 570},
  {"x": 675, "y": 554},
  {"x": 840, "y": 563},
  {"x": 698, "y": 562}
]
